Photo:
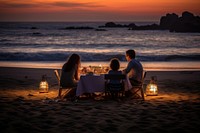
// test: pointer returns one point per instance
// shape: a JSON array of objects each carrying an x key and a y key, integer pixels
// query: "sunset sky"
[{"x": 93, "y": 10}]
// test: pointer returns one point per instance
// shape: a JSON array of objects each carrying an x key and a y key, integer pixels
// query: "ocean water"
[{"x": 45, "y": 42}]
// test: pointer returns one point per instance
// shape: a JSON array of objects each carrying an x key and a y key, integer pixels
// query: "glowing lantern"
[
  {"x": 44, "y": 87},
  {"x": 152, "y": 88},
  {"x": 100, "y": 66}
]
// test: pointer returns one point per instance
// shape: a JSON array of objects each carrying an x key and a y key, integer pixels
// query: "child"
[
  {"x": 114, "y": 66},
  {"x": 114, "y": 85}
]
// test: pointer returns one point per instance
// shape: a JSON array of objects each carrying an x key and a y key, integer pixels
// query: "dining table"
[{"x": 92, "y": 83}]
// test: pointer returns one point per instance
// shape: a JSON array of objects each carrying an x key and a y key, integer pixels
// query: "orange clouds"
[{"x": 95, "y": 9}]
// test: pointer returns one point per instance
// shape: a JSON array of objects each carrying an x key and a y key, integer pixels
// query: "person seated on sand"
[
  {"x": 114, "y": 69},
  {"x": 134, "y": 69},
  {"x": 70, "y": 76}
]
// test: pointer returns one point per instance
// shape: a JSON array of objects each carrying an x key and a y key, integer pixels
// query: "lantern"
[
  {"x": 43, "y": 88},
  {"x": 152, "y": 88}
]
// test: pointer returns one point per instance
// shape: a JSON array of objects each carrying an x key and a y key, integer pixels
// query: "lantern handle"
[
  {"x": 44, "y": 77},
  {"x": 154, "y": 78}
]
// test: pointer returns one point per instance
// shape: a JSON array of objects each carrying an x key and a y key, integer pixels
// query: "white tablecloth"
[
  {"x": 90, "y": 84},
  {"x": 95, "y": 83},
  {"x": 127, "y": 84}
]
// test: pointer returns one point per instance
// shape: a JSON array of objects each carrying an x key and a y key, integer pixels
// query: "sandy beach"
[{"x": 24, "y": 109}]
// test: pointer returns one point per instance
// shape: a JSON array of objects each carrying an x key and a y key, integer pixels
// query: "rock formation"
[
  {"x": 186, "y": 23},
  {"x": 172, "y": 22}
]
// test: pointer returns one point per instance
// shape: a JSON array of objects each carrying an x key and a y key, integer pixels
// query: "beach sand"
[{"x": 24, "y": 109}]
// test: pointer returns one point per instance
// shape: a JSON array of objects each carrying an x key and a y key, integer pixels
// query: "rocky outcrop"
[
  {"x": 113, "y": 25},
  {"x": 78, "y": 28},
  {"x": 166, "y": 22},
  {"x": 186, "y": 23},
  {"x": 172, "y": 22},
  {"x": 145, "y": 27},
  {"x": 131, "y": 26}
]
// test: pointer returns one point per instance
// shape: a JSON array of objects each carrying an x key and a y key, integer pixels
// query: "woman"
[{"x": 70, "y": 75}]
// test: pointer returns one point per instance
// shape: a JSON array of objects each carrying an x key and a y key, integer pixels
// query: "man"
[{"x": 134, "y": 69}]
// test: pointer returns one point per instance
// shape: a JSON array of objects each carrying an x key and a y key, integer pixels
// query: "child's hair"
[{"x": 114, "y": 64}]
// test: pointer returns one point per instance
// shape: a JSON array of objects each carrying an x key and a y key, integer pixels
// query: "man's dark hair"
[{"x": 131, "y": 53}]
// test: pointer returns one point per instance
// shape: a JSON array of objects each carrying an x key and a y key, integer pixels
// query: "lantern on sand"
[
  {"x": 43, "y": 88},
  {"x": 152, "y": 88}
]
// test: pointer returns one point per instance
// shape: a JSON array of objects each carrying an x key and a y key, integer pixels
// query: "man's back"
[{"x": 134, "y": 70}]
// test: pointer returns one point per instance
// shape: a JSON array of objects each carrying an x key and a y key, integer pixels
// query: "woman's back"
[{"x": 68, "y": 78}]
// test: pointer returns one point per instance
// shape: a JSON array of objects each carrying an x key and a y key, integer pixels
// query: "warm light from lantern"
[
  {"x": 152, "y": 88},
  {"x": 44, "y": 86}
]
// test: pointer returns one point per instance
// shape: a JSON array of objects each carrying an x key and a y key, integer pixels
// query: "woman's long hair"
[{"x": 73, "y": 60}]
